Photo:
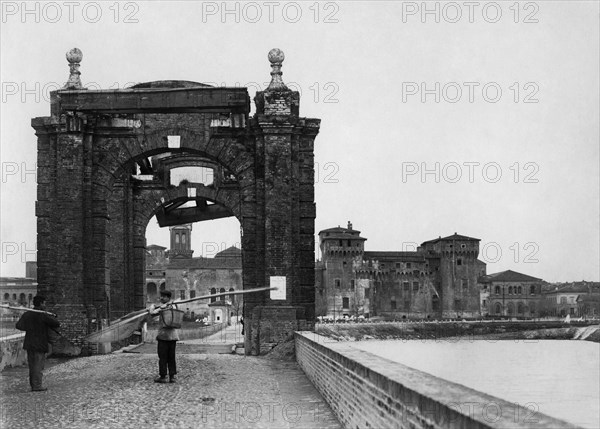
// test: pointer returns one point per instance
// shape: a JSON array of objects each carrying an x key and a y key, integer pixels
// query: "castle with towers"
[{"x": 439, "y": 279}]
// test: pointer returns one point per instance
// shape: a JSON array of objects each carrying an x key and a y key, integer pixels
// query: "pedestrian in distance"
[
  {"x": 36, "y": 326},
  {"x": 167, "y": 340}
]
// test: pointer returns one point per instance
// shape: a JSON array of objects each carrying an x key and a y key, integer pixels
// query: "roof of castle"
[
  {"x": 341, "y": 233},
  {"x": 452, "y": 238}
]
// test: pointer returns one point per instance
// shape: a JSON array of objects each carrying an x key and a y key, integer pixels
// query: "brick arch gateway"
[{"x": 104, "y": 158}]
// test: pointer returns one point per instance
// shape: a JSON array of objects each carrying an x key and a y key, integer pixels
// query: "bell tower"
[{"x": 181, "y": 246}]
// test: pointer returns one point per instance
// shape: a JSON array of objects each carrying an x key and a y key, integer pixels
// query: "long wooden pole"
[
  {"x": 235, "y": 292},
  {"x": 131, "y": 317},
  {"x": 23, "y": 309}
]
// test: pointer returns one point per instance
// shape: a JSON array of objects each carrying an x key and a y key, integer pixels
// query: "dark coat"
[{"x": 36, "y": 327}]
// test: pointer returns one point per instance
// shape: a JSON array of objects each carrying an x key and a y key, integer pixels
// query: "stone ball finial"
[
  {"x": 276, "y": 55},
  {"x": 74, "y": 55}
]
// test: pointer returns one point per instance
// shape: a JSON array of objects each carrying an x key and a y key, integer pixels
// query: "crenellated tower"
[
  {"x": 341, "y": 249},
  {"x": 455, "y": 268}
]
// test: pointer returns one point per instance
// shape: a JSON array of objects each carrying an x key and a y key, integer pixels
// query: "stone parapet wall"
[
  {"x": 11, "y": 351},
  {"x": 367, "y": 391}
]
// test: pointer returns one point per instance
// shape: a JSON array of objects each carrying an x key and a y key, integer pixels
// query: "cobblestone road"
[{"x": 117, "y": 391}]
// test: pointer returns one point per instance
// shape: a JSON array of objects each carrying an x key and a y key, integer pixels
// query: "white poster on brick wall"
[{"x": 280, "y": 284}]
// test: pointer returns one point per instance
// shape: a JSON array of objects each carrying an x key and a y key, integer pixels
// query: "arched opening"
[
  {"x": 520, "y": 309},
  {"x": 151, "y": 292},
  {"x": 497, "y": 309},
  {"x": 510, "y": 309},
  {"x": 214, "y": 258},
  {"x": 192, "y": 174}
]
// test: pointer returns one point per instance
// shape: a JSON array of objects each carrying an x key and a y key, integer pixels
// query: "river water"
[{"x": 559, "y": 378}]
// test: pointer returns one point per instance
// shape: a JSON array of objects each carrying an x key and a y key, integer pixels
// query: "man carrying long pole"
[
  {"x": 167, "y": 341},
  {"x": 36, "y": 325}
]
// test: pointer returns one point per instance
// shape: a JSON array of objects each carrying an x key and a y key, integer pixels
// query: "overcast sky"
[{"x": 484, "y": 123}]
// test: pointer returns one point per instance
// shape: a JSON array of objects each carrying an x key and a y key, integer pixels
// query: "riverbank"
[{"x": 470, "y": 330}]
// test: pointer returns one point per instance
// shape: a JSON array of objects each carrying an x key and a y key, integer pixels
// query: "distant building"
[
  {"x": 438, "y": 280},
  {"x": 577, "y": 299},
  {"x": 31, "y": 270},
  {"x": 187, "y": 277},
  {"x": 19, "y": 291},
  {"x": 512, "y": 294},
  {"x": 588, "y": 306}
]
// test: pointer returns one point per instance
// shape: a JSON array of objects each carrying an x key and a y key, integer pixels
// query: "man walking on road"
[{"x": 36, "y": 327}]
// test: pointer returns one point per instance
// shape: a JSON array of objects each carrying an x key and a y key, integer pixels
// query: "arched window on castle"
[
  {"x": 212, "y": 292},
  {"x": 497, "y": 290}
]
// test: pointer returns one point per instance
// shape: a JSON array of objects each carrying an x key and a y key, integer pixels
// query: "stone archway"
[{"x": 99, "y": 184}]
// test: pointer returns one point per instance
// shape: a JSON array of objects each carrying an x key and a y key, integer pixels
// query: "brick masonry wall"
[{"x": 366, "y": 391}]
